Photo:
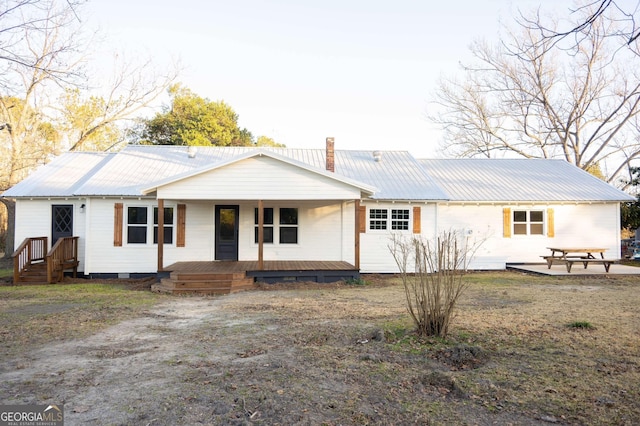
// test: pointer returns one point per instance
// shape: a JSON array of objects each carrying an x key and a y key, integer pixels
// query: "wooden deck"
[
  {"x": 252, "y": 266},
  {"x": 223, "y": 277}
]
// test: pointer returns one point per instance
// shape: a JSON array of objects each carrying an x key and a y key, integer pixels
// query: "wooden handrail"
[
  {"x": 31, "y": 250},
  {"x": 63, "y": 255}
]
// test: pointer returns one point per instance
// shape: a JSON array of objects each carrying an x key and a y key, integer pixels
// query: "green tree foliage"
[
  {"x": 193, "y": 120},
  {"x": 630, "y": 212}
]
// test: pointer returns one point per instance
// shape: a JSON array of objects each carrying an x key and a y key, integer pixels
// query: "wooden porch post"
[
  {"x": 260, "y": 235},
  {"x": 160, "y": 235},
  {"x": 357, "y": 234}
]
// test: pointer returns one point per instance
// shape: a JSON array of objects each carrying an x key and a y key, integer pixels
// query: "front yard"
[{"x": 523, "y": 350}]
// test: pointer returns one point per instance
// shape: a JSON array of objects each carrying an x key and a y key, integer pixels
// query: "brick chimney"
[{"x": 331, "y": 163}]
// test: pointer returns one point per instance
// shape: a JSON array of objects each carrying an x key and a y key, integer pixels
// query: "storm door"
[
  {"x": 227, "y": 232},
  {"x": 61, "y": 222}
]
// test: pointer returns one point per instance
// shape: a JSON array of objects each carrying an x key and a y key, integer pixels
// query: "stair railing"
[
  {"x": 63, "y": 255},
  {"x": 32, "y": 250}
]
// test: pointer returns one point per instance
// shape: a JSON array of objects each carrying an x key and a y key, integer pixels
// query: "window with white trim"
[
  {"x": 378, "y": 219},
  {"x": 400, "y": 219},
  {"x": 394, "y": 219},
  {"x": 289, "y": 225},
  {"x": 139, "y": 228},
  {"x": 528, "y": 222}
]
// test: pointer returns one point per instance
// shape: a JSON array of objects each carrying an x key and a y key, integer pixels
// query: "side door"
[{"x": 61, "y": 222}]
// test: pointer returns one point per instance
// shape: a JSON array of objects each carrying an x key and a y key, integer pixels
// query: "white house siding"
[
  {"x": 143, "y": 258},
  {"x": 375, "y": 255},
  {"x": 581, "y": 225},
  {"x": 33, "y": 219},
  {"x": 320, "y": 226},
  {"x": 259, "y": 178}
]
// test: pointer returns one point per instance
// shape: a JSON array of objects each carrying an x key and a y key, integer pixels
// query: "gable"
[{"x": 258, "y": 177}]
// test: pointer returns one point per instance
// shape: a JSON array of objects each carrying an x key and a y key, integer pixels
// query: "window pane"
[
  {"x": 399, "y": 224},
  {"x": 137, "y": 215},
  {"x": 520, "y": 229},
  {"x": 288, "y": 216},
  {"x": 227, "y": 224},
  {"x": 536, "y": 229},
  {"x": 400, "y": 214},
  {"x": 268, "y": 216},
  {"x": 535, "y": 216},
  {"x": 137, "y": 234},
  {"x": 168, "y": 215},
  {"x": 288, "y": 235},
  {"x": 267, "y": 234},
  {"x": 519, "y": 216},
  {"x": 168, "y": 235},
  {"x": 377, "y": 214},
  {"x": 377, "y": 224}
]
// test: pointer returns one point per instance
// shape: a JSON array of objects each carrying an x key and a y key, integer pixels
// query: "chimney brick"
[{"x": 331, "y": 163}]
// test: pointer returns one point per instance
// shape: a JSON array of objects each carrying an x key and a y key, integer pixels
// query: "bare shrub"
[{"x": 432, "y": 274}]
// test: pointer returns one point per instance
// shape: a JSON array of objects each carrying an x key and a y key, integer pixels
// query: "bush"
[{"x": 432, "y": 275}]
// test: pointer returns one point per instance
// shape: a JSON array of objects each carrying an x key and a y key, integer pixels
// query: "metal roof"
[
  {"x": 61, "y": 177},
  {"x": 486, "y": 180},
  {"x": 396, "y": 175}
]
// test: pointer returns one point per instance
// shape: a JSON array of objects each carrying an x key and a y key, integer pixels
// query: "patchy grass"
[
  {"x": 34, "y": 315},
  {"x": 348, "y": 355}
]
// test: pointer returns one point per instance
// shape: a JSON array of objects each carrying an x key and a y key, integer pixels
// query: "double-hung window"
[
  {"x": 289, "y": 226},
  {"x": 528, "y": 222},
  {"x": 137, "y": 218}
]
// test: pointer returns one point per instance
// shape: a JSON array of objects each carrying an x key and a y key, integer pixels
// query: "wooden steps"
[
  {"x": 204, "y": 283},
  {"x": 36, "y": 273}
]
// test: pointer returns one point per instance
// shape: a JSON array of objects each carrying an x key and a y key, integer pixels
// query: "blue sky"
[{"x": 361, "y": 71}]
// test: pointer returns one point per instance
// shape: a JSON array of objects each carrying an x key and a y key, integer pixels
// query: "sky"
[{"x": 361, "y": 71}]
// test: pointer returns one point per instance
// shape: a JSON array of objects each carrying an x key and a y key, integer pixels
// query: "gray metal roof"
[
  {"x": 396, "y": 176},
  {"x": 486, "y": 180}
]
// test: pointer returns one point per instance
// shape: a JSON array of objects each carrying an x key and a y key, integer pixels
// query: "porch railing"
[
  {"x": 63, "y": 255},
  {"x": 32, "y": 250}
]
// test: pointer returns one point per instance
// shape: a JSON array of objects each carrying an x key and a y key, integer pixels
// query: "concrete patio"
[{"x": 577, "y": 270}]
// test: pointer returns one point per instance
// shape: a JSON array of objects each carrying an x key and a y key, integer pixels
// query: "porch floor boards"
[{"x": 224, "y": 277}]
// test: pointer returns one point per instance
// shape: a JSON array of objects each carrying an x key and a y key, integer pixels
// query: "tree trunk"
[{"x": 9, "y": 242}]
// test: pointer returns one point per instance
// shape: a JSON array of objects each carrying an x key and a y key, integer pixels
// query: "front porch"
[{"x": 224, "y": 277}]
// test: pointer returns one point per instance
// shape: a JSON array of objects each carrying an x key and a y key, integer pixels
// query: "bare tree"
[
  {"x": 530, "y": 97},
  {"x": 589, "y": 14},
  {"x": 46, "y": 105}
]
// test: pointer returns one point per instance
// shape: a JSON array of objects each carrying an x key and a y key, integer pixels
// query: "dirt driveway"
[{"x": 291, "y": 357}]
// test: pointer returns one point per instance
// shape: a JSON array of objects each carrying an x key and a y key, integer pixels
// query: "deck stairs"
[
  {"x": 204, "y": 283},
  {"x": 35, "y": 273}
]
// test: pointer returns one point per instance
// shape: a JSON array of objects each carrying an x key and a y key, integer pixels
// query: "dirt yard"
[{"x": 342, "y": 355}]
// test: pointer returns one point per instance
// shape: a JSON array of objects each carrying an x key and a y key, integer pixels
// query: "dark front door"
[
  {"x": 61, "y": 222},
  {"x": 227, "y": 232}
]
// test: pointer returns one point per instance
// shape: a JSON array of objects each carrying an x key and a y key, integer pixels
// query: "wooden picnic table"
[{"x": 571, "y": 255}]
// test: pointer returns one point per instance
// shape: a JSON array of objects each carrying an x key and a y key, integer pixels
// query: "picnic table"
[{"x": 571, "y": 255}]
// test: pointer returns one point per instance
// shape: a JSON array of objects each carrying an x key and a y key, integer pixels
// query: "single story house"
[{"x": 305, "y": 205}]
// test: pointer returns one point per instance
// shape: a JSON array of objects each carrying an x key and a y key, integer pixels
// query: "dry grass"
[{"x": 343, "y": 354}]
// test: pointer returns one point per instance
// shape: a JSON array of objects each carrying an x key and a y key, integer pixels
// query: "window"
[
  {"x": 528, "y": 222},
  {"x": 138, "y": 228},
  {"x": 267, "y": 230},
  {"x": 168, "y": 225},
  {"x": 136, "y": 225},
  {"x": 380, "y": 219},
  {"x": 400, "y": 219},
  {"x": 288, "y": 226}
]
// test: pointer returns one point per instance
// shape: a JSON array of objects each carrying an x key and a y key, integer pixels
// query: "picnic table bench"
[{"x": 571, "y": 255}]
